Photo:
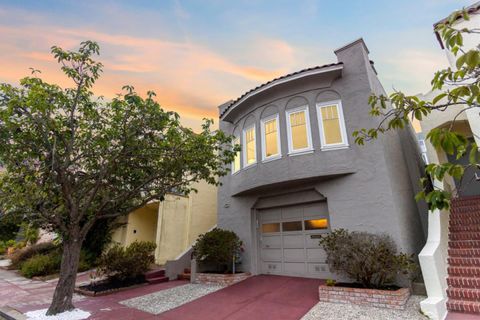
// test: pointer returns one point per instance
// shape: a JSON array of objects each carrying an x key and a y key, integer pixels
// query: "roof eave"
[{"x": 277, "y": 82}]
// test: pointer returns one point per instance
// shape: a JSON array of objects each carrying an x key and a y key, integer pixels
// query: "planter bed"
[
  {"x": 105, "y": 287},
  {"x": 392, "y": 299},
  {"x": 222, "y": 279}
]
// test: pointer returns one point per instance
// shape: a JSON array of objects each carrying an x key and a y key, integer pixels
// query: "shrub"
[
  {"x": 41, "y": 265},
  {"x": 130, "y": 262},
  {"x": 98, "y": 238},
  {"x": 218, "y": 247},
  {"x": 368, "y": 259},
  {"x": 24, "y": 254}
]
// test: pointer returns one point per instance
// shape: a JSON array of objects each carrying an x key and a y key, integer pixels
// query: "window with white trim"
[
  {"x": 298, "y": 127},
  {"x": 270, "y": 138},
  {"x": 236, "y": 165},
  {"x": 250, "y": 149},
  {"x": 332, "y": 125}
]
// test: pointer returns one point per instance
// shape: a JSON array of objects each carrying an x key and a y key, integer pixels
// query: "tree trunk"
[{"x": 62, "y": 297}]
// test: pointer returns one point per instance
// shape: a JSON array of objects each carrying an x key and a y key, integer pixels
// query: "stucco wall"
[
  {"x": 142, "y": 224},
  {"x": 362, "y": 192},
  {"x": 173, "y": 224}
]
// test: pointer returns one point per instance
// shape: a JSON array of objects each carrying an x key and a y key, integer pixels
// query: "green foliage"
[
  {"x": 72, "y": 158},
  {"x": 218, "y": 247},
  {"x": 130, "y": 262},
  {"x": 368, "y": 259},
  {"x": 41, "y": 265},
  {"x": 457, "y": 89},
  {"x": 330, "y": 282},
  {"x": 9, "y": 226},
  {"x": 22, "y": 255},
  {"x": 29, "y": 233},
  {"x": 98, "y": 238}
]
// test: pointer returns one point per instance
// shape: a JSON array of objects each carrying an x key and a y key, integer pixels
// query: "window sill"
[
  {"x": 271, "y": 159},
  {"x": 249, "y": 166},
  {"x": 339, "y": 147},
  {"x": 299, "y": 153}
]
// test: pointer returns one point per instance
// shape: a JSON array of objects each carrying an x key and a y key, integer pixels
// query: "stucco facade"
[
  {"x": 366, "y": 188},
  {"x": 173, "y": 224}
]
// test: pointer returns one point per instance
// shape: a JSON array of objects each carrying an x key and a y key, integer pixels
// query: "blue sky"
[{"x": 198, "y": 54}]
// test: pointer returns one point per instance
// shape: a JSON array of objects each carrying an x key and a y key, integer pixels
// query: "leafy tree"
[
  {"x": 457, "y": 88},
  {"x": 72, "y": 159}
]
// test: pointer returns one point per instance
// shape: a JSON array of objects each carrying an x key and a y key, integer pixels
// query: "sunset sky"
[{"x": 198, "y": 54}]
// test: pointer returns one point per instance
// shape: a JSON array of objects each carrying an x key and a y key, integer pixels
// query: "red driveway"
[{"x": 259, "y": 297}]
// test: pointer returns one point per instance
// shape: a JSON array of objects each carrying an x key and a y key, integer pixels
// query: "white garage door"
[{"x": 289, "y": 240}]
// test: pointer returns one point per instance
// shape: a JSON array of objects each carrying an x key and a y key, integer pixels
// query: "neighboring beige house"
[
  {"x": 173, "y": 224},
  {"x": 433, "y": 258}
]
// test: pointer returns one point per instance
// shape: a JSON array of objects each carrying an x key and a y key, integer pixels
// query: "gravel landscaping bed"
[
  {"x": 165, "y": 300},
  {"x": 325, "y": 310}
]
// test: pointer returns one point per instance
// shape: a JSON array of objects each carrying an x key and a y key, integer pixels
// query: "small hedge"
[
  {"x": 22, "y": 255},
  {"x": 370, "y": 260},
  {"x": 218, "y": 247},
  {"x": 131, "y": 262},
  {"x": 41, "y": 265},
  {"x": 49, "y": 263}
]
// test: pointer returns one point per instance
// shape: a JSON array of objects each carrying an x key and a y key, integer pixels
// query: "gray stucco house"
[{"x": 300, "y": 174}]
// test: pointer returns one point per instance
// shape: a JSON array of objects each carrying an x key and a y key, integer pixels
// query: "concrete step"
[
  {"x": 464, "y": 244},
  {"x": 157, "y": 280},
  {"x": 470, "y": 294},
  {"x": 469, "y": 253},
  {"x": 464, "y": 282},
  {"x": 464, "y": 261},
  {"x": 463, "y": 306},
  {"x": 155, "y": 274},
  {"x": 455, "y": 271}
]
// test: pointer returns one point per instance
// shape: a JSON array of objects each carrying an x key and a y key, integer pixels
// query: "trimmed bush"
[
  {"x": 41, "y": 265},
  {"x": 130, "y": 262},
  {"x": 26, "y": 253},
  {"x": 367, "y": 259},
  {"x": 218, "y": 247}
]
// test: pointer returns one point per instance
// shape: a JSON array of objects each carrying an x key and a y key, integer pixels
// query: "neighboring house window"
[
  {"x": 298, "y": 126},
  {"x": 236, "y": 161},
  {"x": 270, "y": 138},
  {"x": 333, "y": 134},
  {"x": 250, "y": 149}
]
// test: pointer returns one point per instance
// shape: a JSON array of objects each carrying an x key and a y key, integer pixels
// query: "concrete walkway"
[{"x": 259, "y": 297}]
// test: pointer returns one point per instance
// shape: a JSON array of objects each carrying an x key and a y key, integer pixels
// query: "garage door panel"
[
  {"x": 294, "y": 268},
  {"x": 271, "y": 214},
  {"x": 319, "y": 269},
  {"x": 272, "y": 254},
  {"x": 312, "y": 242},
  {"x": 272, "y": 267},
  {"x": 315, "y": 209},
  {"x": 294, "y": 254},
  {"x": 317, "y": 255},
  {"x": 293, "y": 241},
  {"x": 271, "y": 241},
  {"x": 292, "y": 212}
]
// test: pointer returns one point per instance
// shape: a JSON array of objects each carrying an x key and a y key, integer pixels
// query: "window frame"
[
  {"x": 278, "y": 155},
  {"x": 343, "y": 130},
  {"x": 244, "y": 146},
  {"x": 309, "y": 147},
  {"x": 239, "y": 154}
]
